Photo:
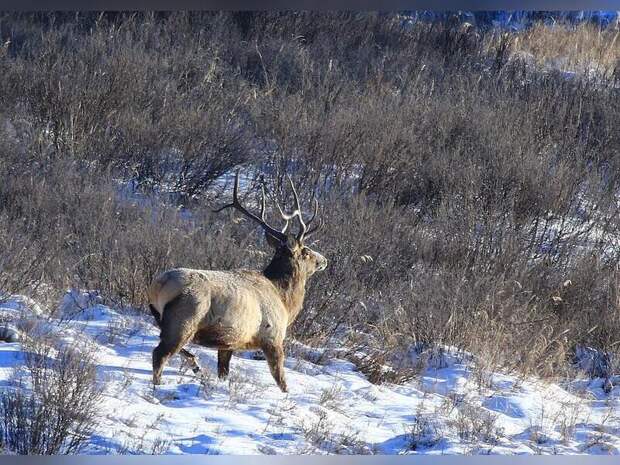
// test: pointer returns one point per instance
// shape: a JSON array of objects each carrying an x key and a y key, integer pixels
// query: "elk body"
[{"x": 237, "y": 310}]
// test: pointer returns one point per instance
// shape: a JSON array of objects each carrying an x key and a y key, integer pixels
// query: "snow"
[{"x": 449, "y": 407}]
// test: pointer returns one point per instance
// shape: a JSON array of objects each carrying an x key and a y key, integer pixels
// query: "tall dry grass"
[{"x": 581, "y": 48}]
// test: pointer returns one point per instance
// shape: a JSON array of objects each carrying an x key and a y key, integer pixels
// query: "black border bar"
[{"x": 367, "y": 5}]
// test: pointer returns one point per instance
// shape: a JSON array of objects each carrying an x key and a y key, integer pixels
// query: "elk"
[{"x": 240, "y": 309}]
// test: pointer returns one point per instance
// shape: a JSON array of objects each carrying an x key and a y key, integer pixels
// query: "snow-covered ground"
[{"x": 450, "y": 407}]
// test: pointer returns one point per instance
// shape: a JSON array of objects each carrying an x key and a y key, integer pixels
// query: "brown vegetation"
[{"x": 469, "y": 197}]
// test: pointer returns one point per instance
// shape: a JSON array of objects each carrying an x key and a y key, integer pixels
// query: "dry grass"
[{"x": 579, "y": 48}]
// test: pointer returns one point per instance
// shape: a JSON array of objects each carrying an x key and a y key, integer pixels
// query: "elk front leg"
[
  {"x": 275, "y": 358},
  {"x": 223, "y": 363}
]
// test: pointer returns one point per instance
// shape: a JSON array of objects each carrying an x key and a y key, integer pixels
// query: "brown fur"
[{"x": 233, "y": 310}]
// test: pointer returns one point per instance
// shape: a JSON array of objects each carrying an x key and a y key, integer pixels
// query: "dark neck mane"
[{"x": 285, "y": 274}]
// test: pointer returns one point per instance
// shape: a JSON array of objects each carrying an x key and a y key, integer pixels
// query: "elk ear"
[{"x": 290, "y": 244}]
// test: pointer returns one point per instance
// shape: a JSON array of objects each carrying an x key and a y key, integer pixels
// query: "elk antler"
[{"x": 280, "y": 235}]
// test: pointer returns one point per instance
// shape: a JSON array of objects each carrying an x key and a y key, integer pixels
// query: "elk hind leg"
[
  {"x": 275, "y": 358},
  {"x": 174, "y": 335},
  {"x": 223, "y": 363},
  {"x": 161, "y": 354}
]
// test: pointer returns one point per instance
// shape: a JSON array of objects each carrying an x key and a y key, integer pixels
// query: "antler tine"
[
  {"x": 302, "y": 226},
  {"x": 316, "y": 210},
  {"x": 261, "y": 221},
  {"x": 319, "y": 225},
  {"x": 285, "y": 216},
  {"x": 295, "y": 196},
  {"x": 262, "y": 203},
  {"x": 282, "y": 214},
  {"x": 228, "y": 205},
  {"x": 262, "y": 186}
]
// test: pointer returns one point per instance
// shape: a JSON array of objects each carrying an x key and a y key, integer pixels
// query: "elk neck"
[{"x": 284, "y": 272}]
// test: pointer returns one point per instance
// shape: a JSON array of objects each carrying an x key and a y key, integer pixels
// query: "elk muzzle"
[{"x": 321, "y": 261}]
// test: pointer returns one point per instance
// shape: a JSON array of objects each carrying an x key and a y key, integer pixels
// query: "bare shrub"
[
  {"x": 53, "y": 407},
  {"x": 320, "y": 435},
  {"x": 476, "y": 424},
  {"x": 21, "y": 261},
  {"x": 242, "y": 388},
  {"x": 425, "y": 432},
  {"x": 139, "y": 446},
  {"x": 332, "y": 398}
]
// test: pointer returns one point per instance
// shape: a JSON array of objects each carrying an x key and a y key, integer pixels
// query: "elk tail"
[{"x": 155, "y": 314}]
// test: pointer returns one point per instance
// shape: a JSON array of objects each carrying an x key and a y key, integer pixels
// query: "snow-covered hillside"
[{"x": 450, "y": 407}]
